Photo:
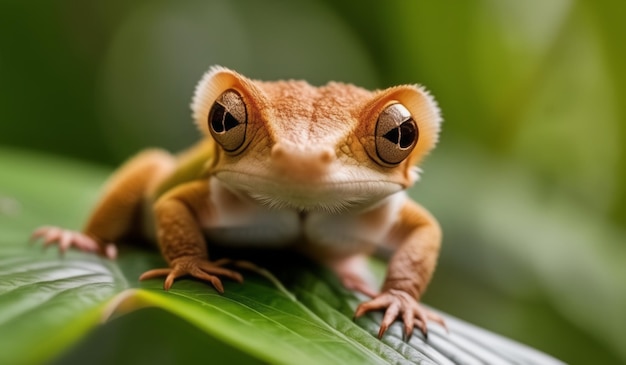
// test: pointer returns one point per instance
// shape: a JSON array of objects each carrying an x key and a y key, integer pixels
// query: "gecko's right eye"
[
  {"x": 228, "y": 120},
  {"x": 396, "y": 134}
]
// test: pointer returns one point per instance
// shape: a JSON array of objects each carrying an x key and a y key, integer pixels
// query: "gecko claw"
[{"x": 217, "y": 283}]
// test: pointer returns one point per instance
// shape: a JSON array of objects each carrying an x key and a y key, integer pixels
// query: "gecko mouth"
[{"x": 328, "y": 196}]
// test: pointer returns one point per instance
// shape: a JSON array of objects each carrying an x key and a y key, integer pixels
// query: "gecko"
[{"x": 284, "y": 164}]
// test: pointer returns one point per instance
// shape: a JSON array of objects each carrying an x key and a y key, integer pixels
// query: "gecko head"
[{"x": 288, "y": 144}]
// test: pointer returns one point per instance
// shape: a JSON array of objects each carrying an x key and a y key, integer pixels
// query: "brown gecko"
[{"x": 285, "y": 164}]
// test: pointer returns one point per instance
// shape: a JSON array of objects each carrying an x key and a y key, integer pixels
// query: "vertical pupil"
[
  {"x": 217, "y": 118},
  {"x": 407, "y": 134}
]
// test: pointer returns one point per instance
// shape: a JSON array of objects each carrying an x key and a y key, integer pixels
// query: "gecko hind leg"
[
  {"x": 119, "y": 211},
  {"x": 354, "y": 274}
]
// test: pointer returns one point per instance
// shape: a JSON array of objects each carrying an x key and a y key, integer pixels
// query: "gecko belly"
[
  {"x": 273, "y": 229},
  {"x": 241, "y": 221}
]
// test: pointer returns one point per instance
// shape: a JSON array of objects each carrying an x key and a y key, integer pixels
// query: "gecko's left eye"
[
  {"x": 228, "y": 120},
  {"x": 396, "y": 134}
]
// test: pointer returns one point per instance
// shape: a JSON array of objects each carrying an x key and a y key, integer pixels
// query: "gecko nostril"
[
  {"x": 327, "y": 156},
  {"x": 278, "y": 152}
]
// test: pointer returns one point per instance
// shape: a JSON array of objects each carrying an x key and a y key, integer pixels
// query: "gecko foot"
[
  {"x": 400, "y": 304},
  {"x": 199, "y": 268},
  {"x": 66, "y": 239}
]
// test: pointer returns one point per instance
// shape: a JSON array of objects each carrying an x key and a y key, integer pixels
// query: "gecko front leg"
[
  {"x": 177, "y": 215},
  {"x": 409, "y": 272}
]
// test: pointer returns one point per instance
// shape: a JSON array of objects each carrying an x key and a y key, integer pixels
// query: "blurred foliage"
[{"x": 529, "y": 180}]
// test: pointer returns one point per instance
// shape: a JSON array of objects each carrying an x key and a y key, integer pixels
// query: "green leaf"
[{"x": 298, "y": 314}]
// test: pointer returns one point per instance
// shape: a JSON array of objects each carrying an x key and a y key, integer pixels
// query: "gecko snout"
[{"x": 302, "y": 163}]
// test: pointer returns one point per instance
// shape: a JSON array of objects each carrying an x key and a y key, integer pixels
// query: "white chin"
[
  {"x": 304, "y": 203},
  {"x": 328, "y": 197}
]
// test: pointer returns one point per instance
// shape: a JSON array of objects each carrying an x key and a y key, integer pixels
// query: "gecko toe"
[
  {"x": 50, "y": 236},
  {"x": 110, "y": 251},
  {"x": 154, "y": 273},
  {"x": 399, "y": 305},
  {"x": 39, "y": 233},
  {"x": 65, "y": 241},
  {"x": 381, "y": 331},
  {"x": 409, "y": 324},
  {"x": 217, "y": 283}
]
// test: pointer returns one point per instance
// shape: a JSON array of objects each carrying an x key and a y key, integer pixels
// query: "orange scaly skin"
[{"x": 284, "y": 164}]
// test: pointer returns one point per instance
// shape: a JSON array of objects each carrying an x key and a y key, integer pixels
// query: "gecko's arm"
[
  {"x": 178, "y": 214},
  {"x": 409, "y": 271}
]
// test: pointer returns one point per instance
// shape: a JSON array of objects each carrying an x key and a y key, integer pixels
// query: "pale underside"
[{"x": 245, "y": 220}]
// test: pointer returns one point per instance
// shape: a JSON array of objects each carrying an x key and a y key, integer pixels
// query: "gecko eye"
[
  {"x": 228, "y": 120},
  {"x": 396, "y": 134}
]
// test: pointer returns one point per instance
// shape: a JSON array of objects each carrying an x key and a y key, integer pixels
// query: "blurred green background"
[{"x": 529, "y": 180}]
